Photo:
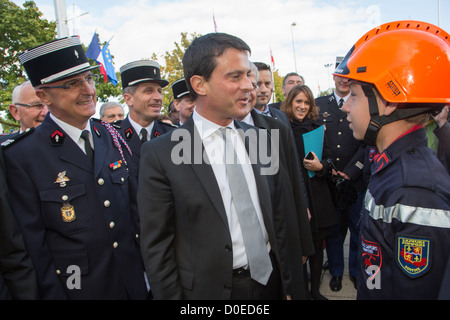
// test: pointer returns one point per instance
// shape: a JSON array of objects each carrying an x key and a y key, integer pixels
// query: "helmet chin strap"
[
  {"x": 377, "y": 120},
  {"x": 375, "y": 124}
]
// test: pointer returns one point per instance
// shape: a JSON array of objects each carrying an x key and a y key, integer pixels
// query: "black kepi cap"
[
  {"x": 139, "y": 71},
  {"x": 180, "y": 89},
  {"x": 55, "y": 60}
]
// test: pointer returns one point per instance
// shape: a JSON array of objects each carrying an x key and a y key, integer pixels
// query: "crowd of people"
[{"x": 222, "y": 199}]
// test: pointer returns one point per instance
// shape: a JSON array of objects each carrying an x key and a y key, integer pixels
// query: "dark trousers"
[
  {"x": 349, "y": 218},
  {"x": 245, "y": 288}
]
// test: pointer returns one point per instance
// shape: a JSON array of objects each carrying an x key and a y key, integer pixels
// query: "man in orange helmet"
[{"x": 399, "y": 75}]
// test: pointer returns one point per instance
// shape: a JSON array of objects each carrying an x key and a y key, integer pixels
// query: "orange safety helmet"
[{"x": 407, "y": 61}]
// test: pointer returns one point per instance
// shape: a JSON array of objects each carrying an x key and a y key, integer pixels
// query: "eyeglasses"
[
  {"x": 35, "y": 107},
  {"x": 75, "y": 84}
]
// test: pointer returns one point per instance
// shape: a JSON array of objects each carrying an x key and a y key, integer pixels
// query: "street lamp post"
[{"x": 293, "y": 46}]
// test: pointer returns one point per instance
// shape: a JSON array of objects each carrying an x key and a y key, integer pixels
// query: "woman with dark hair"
[{"x": 303, "y": 114}]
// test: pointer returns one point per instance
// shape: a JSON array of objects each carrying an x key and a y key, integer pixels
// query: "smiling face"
[
  {"x": 342, "y": 87},
  {"x": 300, "y": 106},
  {"x": 145, "y": 103},
  {"x": 226, "y": 94},
  {"x": 75, "y": 105},
  {"x": 264, "y": 90},
  {"x": 184, "y": 106},
  {"x": 28, "y": 116}
]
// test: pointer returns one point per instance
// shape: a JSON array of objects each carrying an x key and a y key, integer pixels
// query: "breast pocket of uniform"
[
  {"x": 120, "y": 177},
  {"x": 64, "y": 210}
]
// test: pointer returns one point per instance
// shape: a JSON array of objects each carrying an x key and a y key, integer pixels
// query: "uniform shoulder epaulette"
[
  {"x": 19, "y": 137},
  {"x": 323, "y": 97},
  {"x": 167, "y": 124},
  {"x": 116, "y": 124}
]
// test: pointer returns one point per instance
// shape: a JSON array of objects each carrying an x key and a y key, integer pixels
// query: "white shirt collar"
[
  {"x": 248, "y": 120},
  {"x": 73, "y": 132},
  {"x": 137, "y": 127},
  {"x": 339, "y": 98},
  {"x": 205, "y": 127}
]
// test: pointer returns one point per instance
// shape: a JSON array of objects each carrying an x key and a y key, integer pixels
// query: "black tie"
[
  {"x": 87, "y": 144},
  {"x": 341, "y": 103},
  {"x": 266, "y": 113},
  {"x": 143, "y": 135}
]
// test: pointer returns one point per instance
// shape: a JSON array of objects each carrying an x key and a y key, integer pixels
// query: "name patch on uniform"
[
  {"x": 371, "y": 255},
  {"x": 413, "y": 255}
]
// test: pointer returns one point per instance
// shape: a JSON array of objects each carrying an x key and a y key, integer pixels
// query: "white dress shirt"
[
  {"x": 74, "y": 133},
  {"x": 214, "y": 148},
  {"x": 137, "y": 128}
]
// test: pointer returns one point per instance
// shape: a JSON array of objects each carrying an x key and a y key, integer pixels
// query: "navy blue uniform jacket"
[{"x": 84, "y": 222}]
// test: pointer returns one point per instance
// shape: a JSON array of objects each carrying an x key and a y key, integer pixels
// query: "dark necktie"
[
  {"x": 341, "y": 103},
  {"x": 266, "y": 113},
  {"x": 143, "y": 135},
  {"x": 255, "y": 247},
  {"x": 87, "y": 144}
]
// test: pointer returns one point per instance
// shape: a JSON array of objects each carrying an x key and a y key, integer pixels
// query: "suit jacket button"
[
  {"x": 106, "y": 203},
  {"x": 100, "y": 182},
  {"x": 111, "y": 224},
  {"x": 115, "y": 245},
  {"x": 228, "y": 248}
]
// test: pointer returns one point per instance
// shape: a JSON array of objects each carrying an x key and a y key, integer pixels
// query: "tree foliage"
[
  {"x": 278, "y": 83},
  {"x": 21, "y": 28}
]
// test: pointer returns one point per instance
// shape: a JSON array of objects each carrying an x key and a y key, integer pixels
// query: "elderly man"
[
  {"x": 111, "y": 111},
  {"x": 27, "y": 108}
]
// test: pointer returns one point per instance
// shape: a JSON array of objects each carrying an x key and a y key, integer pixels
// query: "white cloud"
[{"x": 140, "y": 27}]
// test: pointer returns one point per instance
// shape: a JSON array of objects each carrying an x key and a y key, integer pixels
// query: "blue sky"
[{"x": 324, "y": 29}]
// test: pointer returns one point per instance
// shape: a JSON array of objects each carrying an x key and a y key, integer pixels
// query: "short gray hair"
[
  {"x": 16, "y": 92},
  {"x": 107, "y": 105}
]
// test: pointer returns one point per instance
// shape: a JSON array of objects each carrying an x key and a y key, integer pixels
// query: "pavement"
[{"x": 348, "y": 291}]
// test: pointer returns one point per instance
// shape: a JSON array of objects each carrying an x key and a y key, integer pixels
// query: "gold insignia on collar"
[
  {"x": 325, "y": 114},
  {"x": 62, "y": 179}
]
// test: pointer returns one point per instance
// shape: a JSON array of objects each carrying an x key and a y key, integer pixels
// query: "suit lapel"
[
  {"x": 132, "y": 137},
  {"x": 68, "y": 150},
  {"x": 204, "y": 171},
  {"x": 100, "y": 150}
]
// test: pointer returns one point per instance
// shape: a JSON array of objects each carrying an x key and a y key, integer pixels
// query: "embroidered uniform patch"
[
  {"x": 371, "y": 254},
  {"x": 413, "y": 255}
]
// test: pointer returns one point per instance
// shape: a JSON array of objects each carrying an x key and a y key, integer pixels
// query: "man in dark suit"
[
  {"x": 290, "y": 80},
  {"x": 348, "y": 158},
  {"x": 68, "y": 182},
  {"x": 264, "y": 94},
  {"x": 17, "y": 276},
  {"x": 298, "y": 231},
  {"x": 192, "y": 233}
]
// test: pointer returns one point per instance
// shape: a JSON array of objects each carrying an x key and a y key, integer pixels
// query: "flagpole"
[
  {"x": 61, "y": 18},
  {"x": 274, "y": 97},
  {"x": 110, "y": 39}
]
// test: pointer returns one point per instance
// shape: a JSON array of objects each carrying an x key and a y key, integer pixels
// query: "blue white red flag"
[{"x": 103, "y": 58}]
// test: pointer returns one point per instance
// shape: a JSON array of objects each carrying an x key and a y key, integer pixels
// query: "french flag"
[{"x": 103, "y": 58}]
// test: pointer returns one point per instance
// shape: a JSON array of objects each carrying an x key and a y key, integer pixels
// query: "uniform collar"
[{"x": 408, "y": 142}]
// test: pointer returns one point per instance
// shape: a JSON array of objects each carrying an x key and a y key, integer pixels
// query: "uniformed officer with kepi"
[{"x": 69, "y": 187}]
